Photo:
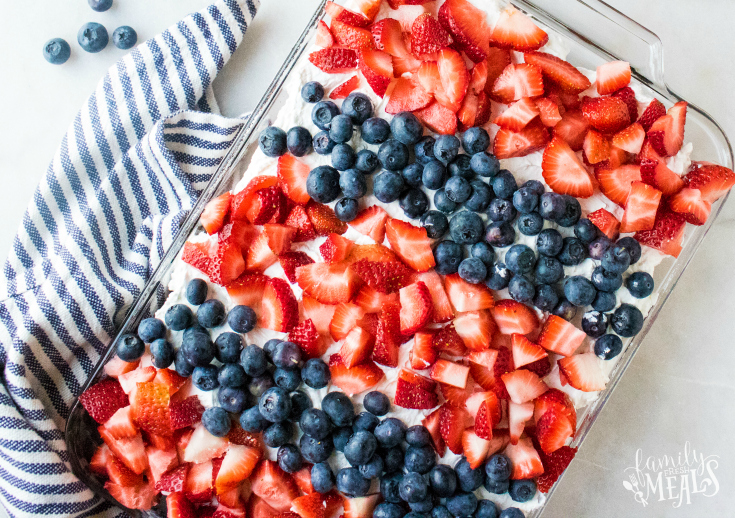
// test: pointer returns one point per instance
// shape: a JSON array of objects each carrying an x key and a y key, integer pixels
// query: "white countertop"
[{"x": 680, "y": 386}]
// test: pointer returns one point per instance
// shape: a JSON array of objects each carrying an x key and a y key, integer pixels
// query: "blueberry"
[
  {"x": 530, "y": 224},
  {"x": 343, "y": 157},
  {"x": 315, "y": 450},
  {"x": 466, "y": 227},
  {"x": 475, "y": 140},
  {"x": 275, "y": 404},
  {"x": 390, "y": 432},
  {"x": 375, "y": 130},
  {"x": 565, "y": 310},
  {"x": 414, "y": 203},
  {"x": 485, "y": 164},
  {"x": 130, "y": 347},
  {"x": 521, "y": 289},
  {"x": 322, "y": 144},
  {"x": 443, "y": 480},
  {"x": 278, "y": 434},
  {"x": 298, "y": 141},
  {"x": 440, "y": 511},
  {"x": 406, "y": 128},
  {"x": 608, "y": 347},
  {"x": 462, "y": 504},
  {"x": 606, "y": 281},
  {"x": 360, "y": 447},
  {"x": 339, "y": 408},
  {"x": 501, "y": 210},
  {"x": 233, "y": 400},
  {"x": 522, "y": 490},
  {"x": 504, "y": 184},
  {"x": 472, "y": 270},
  {"x": 484, "y": 253},
  {"x": 151, "y": 329},
  {"x": 390, "y": 488},
  {"x": 458, "y": 189},
  {"x": 525, "y": 200},
  {"x": 627, "y": 320},
  {"x": 548, "y": 270},
  {"x": 469, "y": 479},
  {"x": 251, "y": 420},
  {"x": 253, "y": 360},
  {"x": 545, "y": 298},
  {"x": 211, "y": 314},
  {"x": 446, "y": 148},
  {"x": 388, "y": 186},
  {"x": 388, "y": 510},
  {"x": 322, "y": 184},
  {"x": 486, "y": 509},
  {"x": 358, "y": 107},
  {"x": 365, "y": 421},
  {"x": 269, "y": 347},
  {"x": 499, "y": 277},
  {"x": 315, "y": 373},
  {"x": 272, "y": 141},
  {"x": 196, "y": 292},
  {"x": 346, "y": 209},
  {"x": 340, "y": 130},
  {"x": 322, "y": 478},
  {"x": 300, "y": 402},
  {"x": 100, "y": 5},
  {"x": 435, "y": 223},
  {"x": 535, "y": 186},
  {"x": 500, "y": 234},
  {"x": 447, "y": 256},
  {"x": 289, "y": 458},
  {"x": 604, "y": 301},
  {"x": 376, "y": 403},
  {"x": 579, "y": 291},
  {"x": 56, "y": 51},
  {"x": 413, "y": 488},
  {"x": 552, "y": 206},
  {"x": 423, "y": 150},
  {"x": 586, "y": 231},
  {"x": 640, "y": 284},
  {"x": 632, "y": 246},
  {"x": 232, "y": 375},
  {"x": 460, "y": 166},
  {"x": 93, "y": 37},
  {"x": 316, "y": 423},
  {"x": 373, "y": 468},
  {"x": 322, "y": 114},
  {"x": 443, "y": 203},
  {"x": 217, "y": 421},
  {"x": 434, "y": 174},
  {"x": 340, "y": 437},
  {"x": 242, "y": 319},
  {"x": 198, "y": 348},
  {"x": 549, "y": 242},
  {"x": 287, "y": 379},
  {"x": 352, "y": 483},
  {"x": 178, "y": 317},
  {"x": 595, "y": 323},
  {"x": 572, "y": 252},
  {"x": 366, "y": 161},
  {"x": 124, "y": 37},
  {"x": 481, "y": 196},
  {"x": 412, "y": 174},
  {"x": 572, "y": 212},
  {"x": 312, "y": 92},
  {"x": 418, "y": 435},
  {"x": 182, "y": 365},
  {"x": 615, "y": 259},
  {"x": 511, "y": 512},
  {"x": 520, "y": 259},
  {"x": 162, "y": 352},
  {"x": 393, "y": 155},
  {"x": 497, "y": 487},
  {"x": 420, "y": 459},
  {"x": 423, "y": 507},
  {"x": 498, "y": 467},
  {"x": 287, "y": 355},
  {"x": 597, "y": 248},
  {"x": 393, "y": 459}
]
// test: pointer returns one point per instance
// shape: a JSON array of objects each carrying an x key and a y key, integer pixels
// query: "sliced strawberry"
[
  {"x": 525, "y": 459},
  {"x": 514, "y": 317},
  {"x": 428, "y": 36},
  {"x": 612, "y": 76},
  {"x": 361, "y": 507},
  {"x": 173, "y": 480},
  {"x": 120, "y": 474},
  {"x": 583, "y": 372},
  {"x": 557, "y": 401},
  {"x": 466, "y": 23},
  {"x": 150, "y": 408},
  {"x": 564, "y": 172},
  {"x": 372, "y": 301},
  {"x": 450, "y": 373},
  {"x": 509, "y": 144},
  {"x": 324, "y": 36},
  {"x": 417, "y": 380},
  {"x": 324, "y": 220},
  {"x": 497, "y": 60},
  {"x": 299, "y": 219},
  {"x": 357, "y": 347},
  {"x": 416, "y": 307},
  {"x": 414, "y": 396},
  {"x": 260, "y": 255},
  {"x": 478, "y": 77},
  {"x": 432, "y": 423},
  {"x": 467, "y": 297},
  {"x": 628, "y": 95},
  {"x": 518, "y": 115},
  {"x": 428, "y": 77},
  {"x": 320, "y": 314},
  {"x": 447, "y": 340},
  {"x": 656, "y": 173},
  {"x": 552, "y": 431},
  {"x": 596, "y": 147},
  {"x": 355, "y": 380},
  {"x": 453, "y": 75},
  {"x": 559, "y": 71},
  {"x": 161, "y": 460},
  {"x": 279, "y": 237},
  {"x": 606, "y": 222},
  {"x": 346, "y": 316},
  {"x": 116, "y": 367},
  {"x": 388, "y": 336},
  {"x": 411, "y": 244},
  {"x": 488, "y": 413},
  {"x": 388, "y": 37},
  {"x": 474, "y": 448},
  {"x": 129, "y": 380},
  {"x": 204, "y": 446},
  {"x": 475, "y": 328},
  {"x": 377, "y": 68},
  {"x": 386, "y": 277},
  {"x": 241, "y": 202},
  {"x": 457, "y": 396},
  {"x": 227, "y": 263},
  {"x": 237, "y": 435},
  {"x": 688, "y": 202},
  {"x": 247, "y": 289},
  {"x": 667, "y": 133},
  {"x": 273, "y": 485},
  {"x": 653, "y": 112},
  {"x": 345, "y": 89},
  {"x": 237, "y": 466},
  {"x": 100, "y": 459},
  {"x": 607, "y": 114},
  {"x": 423, "y": 355},
  {"x": 306, "y": 336},
  {"x": 630, "y": 139},
  {"x": 438, "y": 118},
  {"x": 215, "y": 212},
  {"x": 525, "y": 351},
  {"x": 259, "y": 508},
  {"x": 130, "y": 450},
  {"x": 334, "y": 60},
  {"x": 442, "y": 308},
  {"x": 279, "y": 309},
  {"x": 453, "y": 423},
  {"x": 517, "y": 31},
  {"x": 518, "y": 415},
  {"x": 489, "y": 378},
  {"x": 523, "y": 385},
  {"x": 103, "y": 399},
  {"x": 351, "y": 37},
  {"x": 186, "y": 413},
  {"x": 615, "y": 183},
  {"x": 336, "y": 248},
  {"x": 292, "y": 175},
  {"x": 641, "y": 208},
  {"x": 572, "y": 129},
  {"x": 554, "y": 466},
  {"x": 328, "y": 283},
  {"x": 371, "y": 222},
  {"x": 667, "y": 233},
  {"x": 265, "y": 203},
  {"x": 516, "y": 82},
  {"x": 468, "y": 111},
  {"x": 142, "y": 496},
  {"x": 171, "y": 379},
  {"x": 484, "y": 109},
  {"x": 713, "y": 181},
  {"x": 289, "y": 262},
  {"x": 121, "y": 424},
  {"x": 559, "y": 336},
  {"x": 548, "y": 112}
]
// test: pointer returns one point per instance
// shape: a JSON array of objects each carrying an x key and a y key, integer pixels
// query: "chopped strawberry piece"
[
  {"x": 548, "y": 112},
  {"x": 292, "y": 175},
  {"x": 274, "y": 486},
  {"x": 478, "y": 77},
  {"x": 688, "y": 202},
  {"x": 371, "y": 253},
  {"x": 116, "y": 367},
  {"x": 497, "y": 60},
  {"x": 559, "y": 336},
  {"x": 334, "y": 60},
  {"x": 517, "y": 31},
  {"x": 237, "y": 435},
  {"x": 606, "y": 222},
  {"x": 518, "y": 415},
  {"x": 320, "y": 314},
  {"x": 324, "y": 220},
  {"x": 468, "y": 111},
  {"x": 265, "y": 203},
  {"x": 489, "y": 378},
  {"x": 467, "y": 297},
  {"x": 345, "y": 89},
  {"x": 653, "y": 112},
  {"x": 372, "y": 301},
  {"x": 442, "y": 308},
  {"x": 339, "y": 13},
  {"x": 428, "y": 36},
  {"x": 361, "y": 507},
  {"x": 453, "y": 75},
  {"x": 612, "y": 76},
  {"x": 388, "y": 336},
  {"x": 241, "y": 202},
  {"x": 100, "y": 459},
  {"x": 328, "y": 283},
  {"x": 171, "y": 379},
  {"x": 161, "y": 460},
  {"x": 615, "y": 183},
  {"x": 432, "y": 423},
  {"x": 306, "y": 336},
  {"x": 447, "y": 340},
  {"x": 150, "y": 408},
  {"x": 411, "y": 395},
  {"x": 351, "y": 37},
  {"x": 336, "y": 248},
  {"x": 552, "y": 431},
  {"x": 450, "y": 373},
  {"x": 523, "y": 385},
  {"x": 457, "y": 396},
  {"x": 197, "y": 255},
  {"x": 516, "y": 82},
  {"x": 596, "y": 147},
  {"x": 488, "y": 412},
  {"x": 417, "y": 379},
  {"x": 628, "y": 95},
  {"x": 583, "y": 372},
  {"x": 324, "y": 36},
  {"x": 388, "y": 36},
  {"x": 557, "y": 401},
  {"x": 130, "y": 450},
  {"x": 386, "y": 277},
  {"x": 423, "y": 355},
  {"x": 559, "y": 71},
  {"x": 554, "y": 466},
  {"x": 452, "y": 425},
  {"x": 377, "y": 68},
  {"x": 259, "y": 508},
  {"x": 514, "y": 317},
  {"x": 279, "y": 309},
  {"x": 357, "y": 346},
  {"x": 667, "y": 133},
  {"x": 121, "y": 424},
  {"x": 237, "y": 466},
  {"x": 607, "y": 114},
  {"x": 411, "y": 244},
  {"x": 260, "y": 256},
  {"x": 279, "y": 237},
  {"x": 667, "y": 233},
  {"x": 120, "y": 474},
  {"x": 518, "y": 115},
  {"x": 713, "y": 181},
  {"x": 475, "y": 328},
  {"x": 215, "y": 212},
  {"x": 227, "y": 263},
  {"x": 299, "y": 219},
  {"x": 630, "y": 139},
  {"x": 524, "y": 459},
  {"x": 103, "y": 399},
  {"x": 368, "y": 8},
  {"x": 355, "y": 380},
  {"x": 142, "y": 496},
  {"x": 247, "y": 289},
  {"x": 656, "y": 173},
  {"x": 525, "y": 351},
  {"x": 346, "y": 316},
  {"x": 466, "y": 23},
  {"x": 416, "y": 307},
  {"x": 438, "y": 118},
  {"x": 641, "y": 208},
  {"x": 428, "y": 77},
  {"x": 371, "y": 222},
  {"x": 509, "y": 144},
  {"x": 572, "y": 129},
  {"x": 289, "y": 262},
  {"x": 185, "y": 413},
  {"x": 474, "y": 448},
  {"x": 173, "y": 480},
  {"x": 563, "y": 171}
]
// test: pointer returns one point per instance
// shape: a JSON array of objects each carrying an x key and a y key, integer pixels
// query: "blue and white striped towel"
[{"x": 131, "y": 165}]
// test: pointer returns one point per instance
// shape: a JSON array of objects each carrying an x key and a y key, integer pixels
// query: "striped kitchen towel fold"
[{"x": 132, "y": 163}]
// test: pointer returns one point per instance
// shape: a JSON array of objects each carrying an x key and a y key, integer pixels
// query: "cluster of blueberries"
[{"x": 92, "y": 37}]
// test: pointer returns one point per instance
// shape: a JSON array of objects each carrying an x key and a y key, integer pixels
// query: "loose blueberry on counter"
[
  {"x": 549, "y": 242},
  {"x": 275, "y": 405},
  {"x": 196, "y": 292},
  {"x": 182, "y": 365},
  {"x": 446, "y": 148},
  {"x": 504, "y": 184},
  {"x": 499, "y": 277},
  {"x": 525, "y": 200},
  {"x": 608, "y": 346},
  {"x": 604, "y": 301},
  {"x": 339, "y": 408},
  {"x": 388, "y": 510},
  {"x": 423, "y": 150},
  {"x": 475, "y": 140},
  {"x": 211, "y": 314},
  {"x": 316, "y": 423},
  {"x": 178, "y": 317},
  {"x": 376, "y": 403},
  {"x": 252, "y": 421},
  {"x": 322, "y": 114},
  {"x": 462, "y": 504},
  {"x": 420, "y": 459},
  {"x": 469, "y": 479},
  {"x": 484, "y": 253},
  {"x": 549, "y": 270},
  {"x": 124, "y": 37},
  {"x": 481, "y": 196},
  {"x": 627, "y": 320},
  {"x": 352, "y": 483},
  {"x": 390, "y": 432},
  {"x": 289, "y": 458},
  {"x": 632, "y": 246},
  {"x": 572, "y": 252},
  {"x": 287, "y": 379},
  {"x": 232, "y": 375},
  {"x": 485, "y": 164},
  {"x": 315, "y": 373},
  {"x": 448, "y": 256},
  {"x": 346, "y": 209},
  {"x": 460, "y": 166},
  {"x": 466, "y": 227},
  {"x": 272, "y": 141},
  {"x": 233, "y": 400},
  {"x": 414, "y": 203},
  {"x": 322, "y": 184},
  {"x": 412, "y": 174},
  {"x": 358, "y": 107},
  {"x": 298, "y": 141},
  {"x": 586, "y": 231},
  {"x": 520, "y": 259},
  {"x": 388, "y": 186},
  {"x": 616, "y": 259},
  {"x": 365, "y": 421},
  {"x": 366, "y": 161},
  {"x": 521, "y": 289},
  {"x": 151, "y": 329},
  {"x": 443, "y": 203},
  {"x": 595, "y": 323},
  {"x": 486, "y": 509},
  {"x": 552, "y": 206},
  {"x": 500, "y": 234},
  {"x": 205, "y": 377},
  {"x": 579, "y": 291},
  {"x": 340, "y": 129},
  {"x": 322, "y": 144},
  {"x": 501, "y": 210},
  {"x": 606, "y": 281},
  {"x": 435, "y": 223},
  {"x": 130, "y": 347},
  {"x": 360, "y": 448},
  {"x": 413, "y": 488},
  {"x": 546, "y": 297},
  {"x": 278, "y": 434},
  {"x": 100, "y": 5},
  {"x": 322, "y": 478},
  {"x": 530, "y": 224},
  {"x": 511, "y": 512},
  {"x": 640, "y": 284},
  {"x": 56, "y": 51},
  {"x": 375, "y": 130},
  {"x": 242, "y": 319},
  {"x": 253, "y": 360},
  {"x": 340, "y": 436},
  {"x": 300, "y": 402},
  {"x": 217, "y": 421},
  {"x": 522, "y": 490},
  {"x": 572, "y": 212},
  {"x": 443, "y": 480},
  {"x": 598, "y": 247},
  {"x": 162, "y": 352},
  {"x": 472, "y": 270},
  {"x": 393, "y": 155},
  {"x": 312, "y": 92},
  {"x": 406, "y": 128}
]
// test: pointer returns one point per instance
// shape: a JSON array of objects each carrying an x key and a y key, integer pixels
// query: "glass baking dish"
[{"x": 596, "y": 33}]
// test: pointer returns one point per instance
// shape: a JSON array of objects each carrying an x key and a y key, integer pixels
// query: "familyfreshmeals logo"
[{"x": 674, "y": 479}]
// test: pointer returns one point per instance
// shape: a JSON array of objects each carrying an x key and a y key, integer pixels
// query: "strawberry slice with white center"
[
  {"x": 388, "y": 336},
  {"x": 292, "y": 175},
  {"x": 355, "y": 380},
  {"x": 549, "y": 112},
  {"x": 431, "y": 423},
  {"x": 204, "y": 446},
  {"x": 335, "y": 248},
  {"x": 615, "y": 183},
  {"x": 468, "y": 111},
  {"x": 260, "y": 256},
  {"x": 640, "y": 208},
  {"x": 476, "y": 329},
  {"x": 307, "y": 337},
  {"x": 334, "y": 60},
  {"x": 514, "y": 317},
  {"x": 388, "y": 37},
  {"x": 559, "y": 71},
  {"x": 564, "y": 172},
  {"x": 115, "y": 368},
  {"x": 478, "y": 77},
  {"x": 525, "y": 459},
  {"x": 130, "y": 450},
  {"x": 339, "y": 13},
  {"x": 428, "y": 36},
  {"x": 466, "y": 23},
  {"x": 372, "y": 301},
  {"x": 474, "y": 448},
  {"x": 248, "y": 289},
  {"x": 346, "y": 316},
  {"x": 630, "y": 139},
  {"x": 606, "y": 114},
  {"x": 525, "y": 351},
  {"x": 572, "y": 129},
  {"x": 130, "y": 380},
  {"x": 320, "y": 314},
  {"x": 497, "y": 60},
  {"x": 467, "y": 297},
  {"x": 557, "y": 401},
  {"x": 510, "y": 144},
  {"x": 407, "y": 95},
  {"x": 438, "y": 118},
  {"x": 377, "y": 68},
  {"x": 596, "y": 147},
  {"x": 553, "y": 430},
  {"x": 279, "y": 237},
  {"x": 406, "y": 12},
  {"x": 198, "y": 486},
  {"x": 357, "y": 347},
  {"x": 443, "y": 311},
  {"x": 447, "y": 340},
  {"x": 361, "y": 507},
  {"x": 279, "y": 309},
  {"x": 215, "y": 212},
  {"x": 345, "y": 89},
  {"x": 713, "y": 181},
  {"x": 666, "y": 235},
  {"x": 384, "y": 276},
  {"x": 583, "y": 372},
  {"x": 368, "y": 8},
  {"x": 518, "y": 415},
  {"x": 351, "y": 37},
  {"x": 411, "y": 244},
  {"x": 455, "y": 78},
  {"x": 328, "y": 283},
  {"x": 606, "y": 222},
  {"x": 488, "y": 414},
  {"x": 276, "y": 487},
  {"x": 450, "y": 373},
  {"x": 121, "y": 424},
  {"x": 667, "y": 133},
  {"x": 237, "y": 466},
  {"x": 413, "y": 395},
  {"x": 416, "y": 307},
  {"x": 423, "y": 355},
  {"x": 653, "y": 112},
  {"x": 523, "y": 385},
  {"x": 371, "y": 222},
  {"x": 515, "y": 30},
  {"x": 517, "y": 81},
  {"x": 452, "y": 425},
  {"x": 324, "y": 36},
  {"x": 690, "y": 204},
  {"x": 120, "y": 474},
  {"x": 655, "y": 172},
  {"x": 518, "y": 115},
  {"x": 457, "y": 396},
  {"x": 612, "y": 76},
  {"x": 559, "y": 336}
]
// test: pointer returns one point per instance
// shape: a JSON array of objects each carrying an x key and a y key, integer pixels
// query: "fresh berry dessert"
[{"x": 429, "y": 269}]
